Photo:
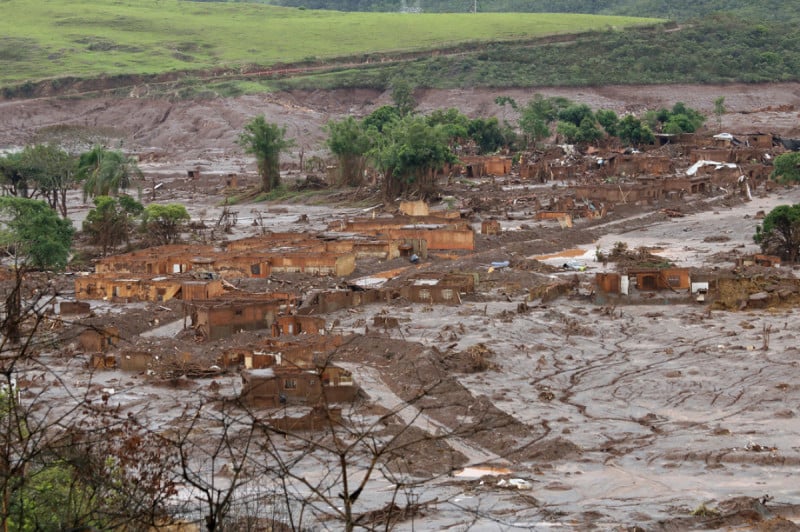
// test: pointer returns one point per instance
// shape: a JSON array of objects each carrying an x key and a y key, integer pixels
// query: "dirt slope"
[{"x": 191, "y": 129}]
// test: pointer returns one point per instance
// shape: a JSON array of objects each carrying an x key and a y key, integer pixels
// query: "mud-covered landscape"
[{"x": 535, "y": 399}]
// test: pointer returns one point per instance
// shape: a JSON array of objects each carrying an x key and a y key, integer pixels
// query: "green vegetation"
[
  {"x": 408, "y": 152},
  {"x": 111, "y": 221},
  {"x": 164, "y": 223},
  {"x": 780, "y": 232},
  {"x": 105, "y": 172},
  {"x": 718, "y": 49},
  {"x": 786, "y": 168},
  {"x": 679, "y": 119},
  {"x": 34, "y": 234},
  {"x": 349, "y": 142},
  {"x": 266, "y": 141},
  {"x": 43, "y": 170},
  {"x": 632, "y": 131},
  {"x": 89, "y": 38},
  {"x": 674, "y": 9}
]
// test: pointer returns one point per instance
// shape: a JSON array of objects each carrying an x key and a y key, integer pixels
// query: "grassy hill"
[
  {"x": 89, "y": 38},
  {"x": 715, "y": 50},
  {"x": 673, "y": 9}
]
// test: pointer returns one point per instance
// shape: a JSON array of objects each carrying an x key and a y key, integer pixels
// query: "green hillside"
[
  {"x": 672, "y": 9},
  {"x": 716, "y": 50},
  {"x": 88, "y": 38}
]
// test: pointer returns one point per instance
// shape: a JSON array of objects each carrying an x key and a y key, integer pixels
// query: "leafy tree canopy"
[
  {"x": 679, "y": 119},
  {"x": 408, "y": 154},
  {"x": 609, "y": 120},
  {"x": 164, "y": 223},
  {"x": 111, "y": 221},
  {"x": 34, "y": 234},
  {"x": 575, "y": 113},
  {"x": 403, "y": 96},
  {"x": 349, "y": 141},
  {"x": 265, "y": 141},
  {"x": 537, "y": 115},
  {"x": 780, "y": 232},
  {"x": 381, "y": 117},
  {"x": 786, "y": 168},
  {"x": 631, "y": 130},
  {"x": 105, "y": 172}
]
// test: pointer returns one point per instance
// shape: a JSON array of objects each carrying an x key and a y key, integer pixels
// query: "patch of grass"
[
  {"x": 87, "y": 38},
  {"x": 705, "y": 511}
]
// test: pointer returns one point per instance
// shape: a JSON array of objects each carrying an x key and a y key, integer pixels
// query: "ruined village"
[{"x": 572, "y": 337}]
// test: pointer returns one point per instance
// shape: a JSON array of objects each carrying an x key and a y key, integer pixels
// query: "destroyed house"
[
  {"x": 619, "y": 192},
  {"x": 110, "y": 288},
  {"x": 436, "y": 288},
  {"x": 439, "y": 233},
  {"x": 380, "y": 224},
  {"x": 365, "y": 247},
  {"x": 644, "y": 279},
  {"x": 660, "y": 278},
  {"x": 333, "y": 300},
  {"x": 221, "y": 318},
  {"x": 697, "y": 184},
  {"x": 161, "y": 260},
  {"x": 729, "y": 155},
  {"x": 337, "y": 264},
  {"x": 285, "y": 386},
  {"x": 271, "y": 241},
  {"x": 305, "y": 351},
  {"x": 255, "y": 264},
  {"x": 259, "y": 249},
  {"x": 637, "y": 164},
  {"x": 295, "y": 325},
  {"x": 99, "y": 340},
  {"x": 767, "y": 261}
]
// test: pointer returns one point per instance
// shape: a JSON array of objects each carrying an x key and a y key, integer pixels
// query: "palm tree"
[{"x": 106, "y": 172}]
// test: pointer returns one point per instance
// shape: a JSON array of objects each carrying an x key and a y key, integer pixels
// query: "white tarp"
[{"x": 699, "y": 164}]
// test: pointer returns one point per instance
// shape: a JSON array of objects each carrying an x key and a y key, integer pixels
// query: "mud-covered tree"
[
  {"x": 408, "y": 154},
  {"x": 105, "y": 172},
  {"x": 163, "y": 223},
  {"x": 111, "y": 221},
  {"x": 780, "y": 232},
  {"x": 786, "y": 168},
  {"x": 349, "y": 142},
  {"x": 265, "y": 141}
]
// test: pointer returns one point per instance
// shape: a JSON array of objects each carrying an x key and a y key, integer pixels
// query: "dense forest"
[{"x": 673, "y": 9}]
